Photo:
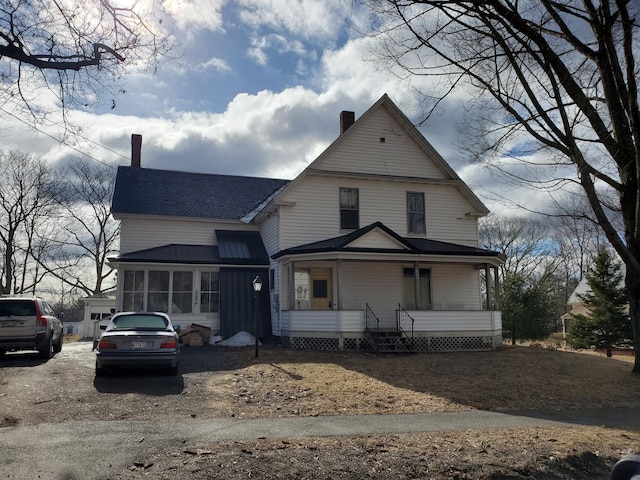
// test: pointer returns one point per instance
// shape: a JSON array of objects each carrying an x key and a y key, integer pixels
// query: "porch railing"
[
  {"x": 371, "y": 321},
  {"x": 405, "y": 323}
]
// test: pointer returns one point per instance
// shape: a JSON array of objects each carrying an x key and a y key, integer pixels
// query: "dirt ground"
[{"x": 220, "y": 382}]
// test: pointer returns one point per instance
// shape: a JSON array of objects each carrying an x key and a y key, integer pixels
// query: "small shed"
[{"x": 96, "y": 308}]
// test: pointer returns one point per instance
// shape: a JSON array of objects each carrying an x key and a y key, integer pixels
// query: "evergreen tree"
[
  {"x": 527, "y": 309},
  {"x": 609, "y": 324}
]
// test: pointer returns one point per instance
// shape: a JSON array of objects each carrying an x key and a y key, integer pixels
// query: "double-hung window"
[
  {"x": 349, "y": 209},
  {"x": 415, "y": 213},
  {"x": 209, "y": 292}
]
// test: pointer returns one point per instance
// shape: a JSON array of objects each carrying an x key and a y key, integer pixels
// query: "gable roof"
[
  {"x": 414, "y": 134},
  {"x": 144, "y": 191},
  {"x": 422, "y": 246}
]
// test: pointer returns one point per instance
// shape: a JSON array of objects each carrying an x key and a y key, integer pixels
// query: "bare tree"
[
  {"x": 76, "y": 49},
  {"x": 557, "y": 75},
  {"x": 26, "y": 202},
  {"x": 79, "y": 250}
]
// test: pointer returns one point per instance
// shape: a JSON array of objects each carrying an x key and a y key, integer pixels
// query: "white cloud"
[
  {"x": 216, "y": 64},
  {"x": 308, "y": 19},
  {"x": 193, "y": 15}
]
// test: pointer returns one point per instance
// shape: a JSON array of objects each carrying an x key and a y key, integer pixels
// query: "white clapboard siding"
[
  {"x": 365, "y": 152},
  {"x": 455, "y": 287},
  {"x": 211, "y": 320},
  {"x": 377, "y": 284},
  {"x": 269, "y": 234},
  {"x": 457, "y": 321},
  {"x": 142, "y": 233},
  {"x": 316, "y": 213}
]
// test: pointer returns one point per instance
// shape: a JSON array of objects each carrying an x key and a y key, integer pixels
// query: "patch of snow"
[{"x": 240, "y": 339}]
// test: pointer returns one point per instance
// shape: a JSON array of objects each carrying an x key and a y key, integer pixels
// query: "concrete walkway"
[{"x": 90, "y": 449}]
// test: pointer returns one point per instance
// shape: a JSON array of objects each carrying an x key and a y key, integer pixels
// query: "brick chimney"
[
  {"x": 136, "y": 148},
  {"x": 346, "y": 120}
]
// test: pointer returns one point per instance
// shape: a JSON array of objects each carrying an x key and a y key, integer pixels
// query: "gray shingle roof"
[
  {"x": 145, "y": 191},
  {"x": 414, "y": 245}
]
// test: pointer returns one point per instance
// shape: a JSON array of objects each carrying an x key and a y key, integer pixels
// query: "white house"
[{"x": 375, "y": 243}]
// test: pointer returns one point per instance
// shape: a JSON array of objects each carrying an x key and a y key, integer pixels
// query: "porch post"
[
  {"x": 496, "y": 278},
  {"x": 292, "y": 287},
  {"x": 338, "y": 273},
  {"x": 488, "y": 282},
  {"x": 416, "y": 284}
]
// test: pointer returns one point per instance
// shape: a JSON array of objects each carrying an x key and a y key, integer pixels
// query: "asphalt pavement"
[{"x": 90, "y": 449}]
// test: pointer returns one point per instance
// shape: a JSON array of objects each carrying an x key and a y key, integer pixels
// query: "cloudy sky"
[{"x": 257, "y": 90}]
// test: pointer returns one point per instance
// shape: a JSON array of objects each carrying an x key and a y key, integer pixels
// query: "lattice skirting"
[{"x": 430, "y": 343}]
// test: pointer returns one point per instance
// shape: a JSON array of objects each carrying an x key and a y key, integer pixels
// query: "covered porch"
[{"x": 334, "y": 294}]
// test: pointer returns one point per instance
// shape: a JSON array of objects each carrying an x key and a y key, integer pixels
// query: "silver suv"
[{"x": 29, "y": 323}]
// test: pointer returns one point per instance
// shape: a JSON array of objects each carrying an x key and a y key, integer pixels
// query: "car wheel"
[
  {"x": 173, "y": 371},
  {"x": 58, "y": 345},
  {"x": 3, "y": 352},
  {"x": 47, "y": 351}
]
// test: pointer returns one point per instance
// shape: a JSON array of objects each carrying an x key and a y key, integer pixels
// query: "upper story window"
[
  {"x": 349, "y": 209},
  {"x": 415, "y": 213}
]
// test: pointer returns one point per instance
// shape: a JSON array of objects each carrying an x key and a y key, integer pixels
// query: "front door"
[{"x": 321, "y": 298}]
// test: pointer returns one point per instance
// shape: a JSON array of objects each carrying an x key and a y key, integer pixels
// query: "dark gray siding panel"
[{"x": 237, "y": 304}]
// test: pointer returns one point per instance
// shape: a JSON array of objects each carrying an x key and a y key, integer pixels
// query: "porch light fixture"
[{"x": 257, "y": 287}]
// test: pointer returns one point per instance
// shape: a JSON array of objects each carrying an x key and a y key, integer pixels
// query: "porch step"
[{"x": 391, "y": 342}]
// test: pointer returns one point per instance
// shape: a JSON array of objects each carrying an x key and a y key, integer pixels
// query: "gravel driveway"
[{"x": 155, "y": 426}]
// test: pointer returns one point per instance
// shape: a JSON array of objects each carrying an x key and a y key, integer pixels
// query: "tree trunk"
[{"x": 633, "y": 288}]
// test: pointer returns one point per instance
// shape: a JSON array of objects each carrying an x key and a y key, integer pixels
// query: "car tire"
[
  {"x": 3, "y": 352},
  {"x": 47, "y": 351},
  {"x": 58, "y": 345},
  {"x": 172, "y": 371}
]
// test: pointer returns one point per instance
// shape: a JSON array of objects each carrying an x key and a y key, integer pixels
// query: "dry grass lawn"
[{"x": 286, "y": 382}]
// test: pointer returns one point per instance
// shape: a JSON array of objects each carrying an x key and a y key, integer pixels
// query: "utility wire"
[{"x": 61, "y": 142}]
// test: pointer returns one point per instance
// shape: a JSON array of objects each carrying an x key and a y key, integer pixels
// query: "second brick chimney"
[
  {"x": 136, "y": 149},
  {"x": 346, "y": 120}
]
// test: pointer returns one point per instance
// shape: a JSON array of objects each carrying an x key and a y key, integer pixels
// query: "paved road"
[{"x": 90, "y": 449}]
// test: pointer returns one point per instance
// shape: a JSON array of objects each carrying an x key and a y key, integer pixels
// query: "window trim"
[
  {"x": 344, "y": 225},
  {"x": 411, "y": 214}
]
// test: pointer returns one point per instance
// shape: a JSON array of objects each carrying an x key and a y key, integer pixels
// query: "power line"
[{"x": 61, "y": 142}]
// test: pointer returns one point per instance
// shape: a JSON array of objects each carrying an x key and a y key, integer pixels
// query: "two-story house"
[{"x": 377, "y": 234}]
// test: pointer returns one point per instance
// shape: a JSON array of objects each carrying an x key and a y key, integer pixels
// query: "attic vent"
[{"x": 382, "y": 139}]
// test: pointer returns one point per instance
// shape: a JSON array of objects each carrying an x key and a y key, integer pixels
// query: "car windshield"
[
  {"x": 139, "y": 322},
  {"x": 17, "y": 308}
]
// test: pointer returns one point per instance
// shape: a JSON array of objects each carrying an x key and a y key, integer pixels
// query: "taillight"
[
  {"x": 169, "y": 344},
  {"x": 106, "y": 345},
  {"x": 40, "y": 320}
]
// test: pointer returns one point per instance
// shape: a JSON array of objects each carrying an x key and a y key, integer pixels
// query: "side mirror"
[{"x": 103, "y": 327}]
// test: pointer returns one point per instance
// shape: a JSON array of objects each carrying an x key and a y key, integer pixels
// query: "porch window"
[
  {"x": 423, "y": 302},
  {"x": 133, "y": 290},
  {"x": 349, "y": 209},
  {"x": 158, "y": 296},
  {"x": 415, "y": 213},
  {"x": 209, "y": 292},
  {"x": 182, "y": 294}
]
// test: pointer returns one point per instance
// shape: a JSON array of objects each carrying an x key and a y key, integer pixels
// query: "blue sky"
[{"x": 257, "y": 90}]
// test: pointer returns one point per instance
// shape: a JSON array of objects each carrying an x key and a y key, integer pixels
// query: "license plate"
[
  {"x": 139, "y": 345},
  {"x": 10, "y": 323}
]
